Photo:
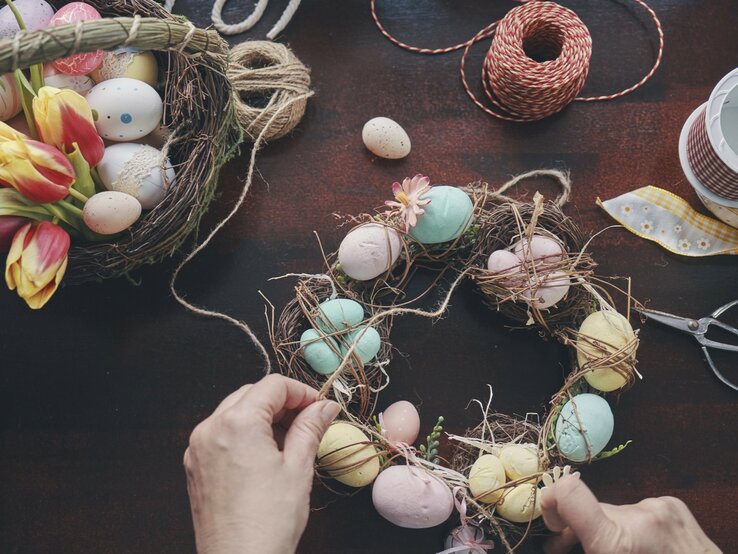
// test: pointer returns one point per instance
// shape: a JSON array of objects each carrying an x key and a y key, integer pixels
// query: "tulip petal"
[{"x": 12, "y": 269}]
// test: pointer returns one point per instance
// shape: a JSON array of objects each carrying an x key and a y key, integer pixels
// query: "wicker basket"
[{"x": 198, "y": 109}]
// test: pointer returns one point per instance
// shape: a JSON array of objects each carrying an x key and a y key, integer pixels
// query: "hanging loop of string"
[{"x": 518, "y": 87}]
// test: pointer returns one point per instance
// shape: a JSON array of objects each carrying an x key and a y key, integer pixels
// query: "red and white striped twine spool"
[
  {"x": 519, "y": 87},
  {"x": 705, "y": 162}
]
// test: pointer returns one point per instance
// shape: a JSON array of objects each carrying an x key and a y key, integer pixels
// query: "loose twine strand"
[
  {"x": 519, "y": 87},
  {"x": 250, "y": 20}
]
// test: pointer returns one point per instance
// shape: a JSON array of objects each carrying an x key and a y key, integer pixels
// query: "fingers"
[
  {"x": 231, "y": 399},
  {"x": 306, "y": 431},
  {"x": 569, "y": 503},
  {"x": 274, "y": 395},
  {"x": 561, "y": 543}
]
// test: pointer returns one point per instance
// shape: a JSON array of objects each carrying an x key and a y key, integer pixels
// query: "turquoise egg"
[
  {"x": 338, "y": 314},
  {"x": 319, "y": 354},
  {"x": 447, "y": 216},
  {"x": 594, "y": 416},
  {"x": 368, "y": 343}
]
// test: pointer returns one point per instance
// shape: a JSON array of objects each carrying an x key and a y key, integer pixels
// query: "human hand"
[
  {"x": 250, "y": 467},
  {"x": 653, "y": 526}
]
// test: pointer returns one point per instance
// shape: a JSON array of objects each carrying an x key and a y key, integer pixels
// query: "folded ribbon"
[{"x": 665, "y": 218}]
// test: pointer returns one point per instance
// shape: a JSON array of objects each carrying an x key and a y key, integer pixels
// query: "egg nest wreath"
[
  {"x": 199, "y": 113},
  {"x": 530, "y": 262}
]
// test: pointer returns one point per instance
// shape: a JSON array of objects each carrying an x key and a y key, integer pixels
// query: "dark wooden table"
[{"x": 99, "y": 391}]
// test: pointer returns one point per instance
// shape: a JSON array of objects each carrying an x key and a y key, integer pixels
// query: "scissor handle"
[
  {"x": 716, "y": 371},
  {"x": 722, "y": 309}
]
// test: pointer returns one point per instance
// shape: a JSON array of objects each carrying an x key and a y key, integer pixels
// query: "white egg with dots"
[
  {"x": 110, "y": 212},
  {"x": 125, "y": 109}
]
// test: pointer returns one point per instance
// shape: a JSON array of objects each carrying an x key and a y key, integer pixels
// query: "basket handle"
[{"x": 27, "y": 48}]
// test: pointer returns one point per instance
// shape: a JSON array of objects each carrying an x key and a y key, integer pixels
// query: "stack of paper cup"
[{"x": 721, "y": 121}]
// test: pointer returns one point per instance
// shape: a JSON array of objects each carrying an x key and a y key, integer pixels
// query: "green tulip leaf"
[{"x": 84, "y": 182}]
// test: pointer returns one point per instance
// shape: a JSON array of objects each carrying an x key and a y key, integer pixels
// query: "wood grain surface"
[{"x": 100, "y": 390}]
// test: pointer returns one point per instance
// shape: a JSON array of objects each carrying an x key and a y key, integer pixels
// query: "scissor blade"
[{"x": 671, "y": 320}]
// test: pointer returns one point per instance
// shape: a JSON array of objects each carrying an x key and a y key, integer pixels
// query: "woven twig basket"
[{"x": 199, "y": 110}]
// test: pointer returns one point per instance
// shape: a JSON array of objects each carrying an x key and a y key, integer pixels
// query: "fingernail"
[
  {"x": 329, "y": 411},
  {"x": 576, "y": 474}
]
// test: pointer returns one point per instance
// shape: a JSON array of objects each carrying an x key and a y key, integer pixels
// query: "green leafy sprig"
[{"x": 429, "y": 451}]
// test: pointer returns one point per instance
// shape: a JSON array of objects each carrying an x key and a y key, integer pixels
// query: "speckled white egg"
[
  {"x": 386, "y": 138},
  {"x": 111, "y": 212},
  {"x": 125, "y": 109},
  {"x": 411, "y": 497},
  {"x": 465, "y": 536},
  {"x": 368, "y": 251},
  {"x": 541, "y": 249},
  {"x": 10, "y": 100},
  {"x": 520, "y": 504},
  {"x": 81, "y": 84},
  {"x": 401, "y": 422},
  {"x": 548, "y": 291},
  {"x": 136, "y": 169},
  {"x": 36, "y": 15}
]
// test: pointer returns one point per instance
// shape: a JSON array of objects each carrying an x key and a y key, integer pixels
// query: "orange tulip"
[
  {"x": 64, "y": 118},
  {"x": 38, "y": 171},
  {"x": 37, "y": 261}
]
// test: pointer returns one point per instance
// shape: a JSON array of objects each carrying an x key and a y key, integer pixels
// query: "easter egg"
[
  {"x": 540, "y": 248},
  {"x": 385, "y": 138},
  {"x": 321, "y": 355},
  {"x": 612, "y": 332},
  {"x": 111, "y": 212},
  {"x": 36, "y": 15},
  {"x": 401, "y": 422},
  {"x": 338, "y": 314},
  {"x": 347, "y": 457},
  {"x": 125, "y": 109},
  {"x": 502, "y": 261},
  {"x": 465, "y": 536},
  {"x": 411, "y": 497},
  {"x": 128, "y": 63},
  {"x": 485, "y": 475},
  {"x": 447, "y": 216},
  {"x": 368, "y": 251},
  {"x": 367, "y": 340},
  {"x": 584, "y": 433},
  {"x": 547, "y": 291},
  {"x": 519, "y": 461},
  {"x": 81, "y": 84},
  {"x": 10, "y": 100},
  {"x": 77, "y": 64},
  {"x": 520, "y": 504},
  {"x": 136, "y": 169}
]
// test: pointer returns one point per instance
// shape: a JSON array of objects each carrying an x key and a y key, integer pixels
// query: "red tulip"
[{"x": 9, "y": 224}]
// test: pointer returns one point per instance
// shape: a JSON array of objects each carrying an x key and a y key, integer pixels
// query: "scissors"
[{"x": 698, "y": 329}]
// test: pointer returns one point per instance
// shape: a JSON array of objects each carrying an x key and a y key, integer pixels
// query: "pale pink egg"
[
  {"x": 81, "y": 84},
  {"x": 501, "y": 261},
  {"x": 544, "y": 249},
  {"x": 78, "y": 64},
  {"x": 401, "y": 422},
  {"x": 548, "y": 291}
]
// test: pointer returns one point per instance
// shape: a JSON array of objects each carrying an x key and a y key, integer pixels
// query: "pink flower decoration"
[{"x": 409, "y": 203}]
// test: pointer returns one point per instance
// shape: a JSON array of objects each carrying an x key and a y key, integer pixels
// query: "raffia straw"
[{"x": 241, "y": 198}]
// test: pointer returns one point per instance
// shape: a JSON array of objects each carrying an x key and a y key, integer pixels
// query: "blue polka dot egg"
[
  {"x": 125, "y": 109},
  {"x": 447, "y": 216}
]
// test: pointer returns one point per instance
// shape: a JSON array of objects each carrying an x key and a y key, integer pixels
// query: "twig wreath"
[{"x": 530, "y": 262}]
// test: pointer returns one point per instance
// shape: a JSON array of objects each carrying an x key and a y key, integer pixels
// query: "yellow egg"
[
  {"x": 487, "y": 474},
  {"x": 519, "y": 461},
  {"x": 520, "y": 504},
  {"x": 612, "y": 332},
  {"x": 123, "y": 63},
  {"x": 343, "y": 452}
]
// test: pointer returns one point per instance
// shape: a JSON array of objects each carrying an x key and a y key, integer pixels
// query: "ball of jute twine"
[{"x": 272, "y": 85}]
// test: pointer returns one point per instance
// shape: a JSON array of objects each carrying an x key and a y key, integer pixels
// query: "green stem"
[
  {"x": 27, "y": 94},
  {"x": 70, "y": 207},
  {"x": 16, "y": 13},
  {"x": 78, "y": 195},
  {"x": 55, "y": 220}
]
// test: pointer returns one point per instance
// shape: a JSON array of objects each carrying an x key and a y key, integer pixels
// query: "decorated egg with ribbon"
[
  {"x": 471, "y": 535},
  {"x": 36, "y": 15},
  {"x": 411, "y": 497},
  {"x": 125, "y": 109},
  {"x": 346, "y": 454},
  {"x": 81, "y": 84},
  {"x": 584, "y": 427},
  {"x": 128, "y": 62},
  {"x": 10, "y": 101},
  {"x": 446, "y": 217},
  {"x": 77, "y": 64},
  {"x": 338, "y": 314},
  {"x": 109, "y": 213},
  {"x": 139, "y": 170},
  {"x": 401, "y": 422},
  {"x": 368, "y": 251},
  {"x": 320, "y": 352}
]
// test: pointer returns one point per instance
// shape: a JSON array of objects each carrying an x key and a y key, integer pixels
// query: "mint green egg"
[
  {"x": 338, "y": 314},
  {"x": 367, "y": 341},
  {"x": 447, "y": 216},
  {"x": 584, "y": 427},
  {"x": 318, "y": 353}
]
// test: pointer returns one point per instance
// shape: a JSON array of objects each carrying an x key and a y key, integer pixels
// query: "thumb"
[
  {"x": 570, "y": 503},
  {"x": 307, "y": 429}
]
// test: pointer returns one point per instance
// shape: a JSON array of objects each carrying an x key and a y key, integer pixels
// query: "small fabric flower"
[
  {"x": 703, "y": 244},
  {"x": 408, "y": 202},
  {"x": 684, "y": 245},
  {"x": 627, "y": 209},
  {"x": 677, "y": 228},
  {"x": 647, "y": 226}
]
